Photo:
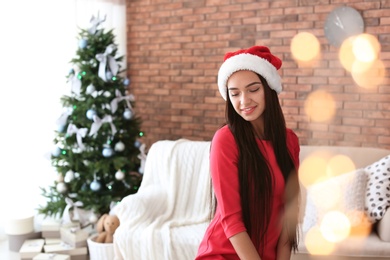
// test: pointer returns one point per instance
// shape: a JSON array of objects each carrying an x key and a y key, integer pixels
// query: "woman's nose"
[{"x": 244, "y": 98}]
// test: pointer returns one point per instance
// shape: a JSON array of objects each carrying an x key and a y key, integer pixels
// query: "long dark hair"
[{"x": 256, "y": 190}]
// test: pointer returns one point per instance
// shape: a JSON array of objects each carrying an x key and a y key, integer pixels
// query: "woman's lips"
[{"x": 248, "y": 110}]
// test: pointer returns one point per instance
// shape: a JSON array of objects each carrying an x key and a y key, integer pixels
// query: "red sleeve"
[
  {"x": 293, "y": 147},
  {"x": 224, "y": 172}
]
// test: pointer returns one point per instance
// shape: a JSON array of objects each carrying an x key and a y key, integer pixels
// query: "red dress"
[{"x": 227, "y": 221}]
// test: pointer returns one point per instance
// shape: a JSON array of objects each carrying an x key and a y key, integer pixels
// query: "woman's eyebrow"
[{"x": 250, "y": 84}]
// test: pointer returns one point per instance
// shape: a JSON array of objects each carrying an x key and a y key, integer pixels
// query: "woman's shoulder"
[{"x": 223, "y": 135}]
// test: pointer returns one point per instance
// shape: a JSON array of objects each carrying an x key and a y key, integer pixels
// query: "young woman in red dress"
[{"x": 254, "y": 162}]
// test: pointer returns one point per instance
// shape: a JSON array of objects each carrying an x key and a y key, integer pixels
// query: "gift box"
[
  {"x": 74, "y": 236},
  {"x": 52, "y": 241},
  {"x": 50, "y": 228},
  {"x": 75, "y": 253},
  {"x": 50, "y": 256},
  {"x": 15, "y": 242},
  {"x": 31, "y": 248}
]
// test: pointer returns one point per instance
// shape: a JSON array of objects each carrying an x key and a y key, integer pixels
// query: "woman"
[{"x": 254, "y": 162}]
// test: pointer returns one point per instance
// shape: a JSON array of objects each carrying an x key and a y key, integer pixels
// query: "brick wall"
[{"x": 174, "y": 50}]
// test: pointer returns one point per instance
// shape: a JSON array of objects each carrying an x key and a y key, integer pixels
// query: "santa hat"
[{"x": 257, "y": 59}]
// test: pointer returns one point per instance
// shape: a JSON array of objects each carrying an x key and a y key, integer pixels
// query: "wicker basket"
[{"x": 99, "y": 251}]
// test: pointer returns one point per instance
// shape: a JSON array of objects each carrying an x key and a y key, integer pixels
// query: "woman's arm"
[
  {"x": 244, "y": 246},
  {"x": 283, "y": 250}
]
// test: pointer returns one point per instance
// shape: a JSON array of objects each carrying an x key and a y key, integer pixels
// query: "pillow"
[
  {"x": 345, "y": 193},
  {"x": 378, "y": 189}
]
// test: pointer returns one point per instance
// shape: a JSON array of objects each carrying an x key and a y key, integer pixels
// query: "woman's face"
[{"x": 246, "y": 93}]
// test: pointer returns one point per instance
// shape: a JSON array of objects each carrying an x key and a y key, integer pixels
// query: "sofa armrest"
[
  {"x": 142, "y": 206},
  {"x": 383, "y": 227}
]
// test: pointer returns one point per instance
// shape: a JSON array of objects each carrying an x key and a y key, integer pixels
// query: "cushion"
[
  {"x": 378, "y": 189},
  {"x": 345, "y": 193}
]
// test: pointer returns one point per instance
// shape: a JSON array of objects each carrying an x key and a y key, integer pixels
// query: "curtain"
[{"x": 39, "y": 38}]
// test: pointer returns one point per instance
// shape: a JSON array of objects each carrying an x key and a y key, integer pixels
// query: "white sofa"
[{"x": 167, "y": 217}]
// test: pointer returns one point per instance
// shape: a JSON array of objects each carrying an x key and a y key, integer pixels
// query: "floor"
[{"x": 5, "y": 254}]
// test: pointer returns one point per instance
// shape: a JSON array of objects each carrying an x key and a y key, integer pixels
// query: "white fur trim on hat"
[{"x": 246, "y": 61}]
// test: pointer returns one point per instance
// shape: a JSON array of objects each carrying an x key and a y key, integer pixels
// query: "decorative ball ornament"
[
  {"x": 56, "y": 151},
  {"x": 61, "y": 187},
  {"x": 342, "y": 23},
  {"x": 91, "y": 113},
  {"x": 126, "y": 82},
  {"x": 83, "y": 43},
  {"x": 90, "y": 89},
  {"x": 127, "y": 114},
  {"x": 119, "y": 147},
  {"x": 119, "y": 175},
  {"x": 137, "y": 144},
  {"x": 69, "y": 176},
  {"x": 107, "y": 94},
  {"x": 95, "y": 185},
  {"x": 107, "y": 151}
]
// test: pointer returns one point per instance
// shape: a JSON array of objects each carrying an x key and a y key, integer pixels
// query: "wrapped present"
[
  {"x": 50, "y": 256},
  {"x": 31, "y": 248},
  {"x": 50, "y": 228},
  {"x": 52, "y": 241},
  {"x": 75, "y": 253},
  {"x": 15, "y": 242},
  {"x": 74, "y": 236}
]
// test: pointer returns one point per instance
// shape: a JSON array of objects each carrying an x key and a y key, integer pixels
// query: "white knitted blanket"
[{"x": 166, "y": 219}]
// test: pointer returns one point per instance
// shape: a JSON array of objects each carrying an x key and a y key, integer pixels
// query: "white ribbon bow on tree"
[
  {"x": 67, "y": 217},
  {"x": 104, "y": 59},
  {"x": 64, "y": 117},
  {"x": 142, "y": 156},
  {"x": 75, "y": 83},
  {"x": 80, "y": 134},
  {"x": 95, "y": 22},
  {"x": 97, "y": 123},
  {"x": 119, "y": 98}
]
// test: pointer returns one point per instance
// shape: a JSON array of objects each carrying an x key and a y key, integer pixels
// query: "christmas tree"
[{"x": 98, "y": 152}]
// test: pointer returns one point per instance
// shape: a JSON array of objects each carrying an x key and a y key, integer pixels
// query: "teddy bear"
[{"x": 106, "y": 226}]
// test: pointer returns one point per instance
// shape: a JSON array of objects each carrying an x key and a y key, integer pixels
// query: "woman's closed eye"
[{"x": 251, "y": 90}]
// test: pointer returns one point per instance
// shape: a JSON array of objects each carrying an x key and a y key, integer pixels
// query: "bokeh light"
[
  {"x": 346, "y": 55},
  {"x": 371, "y": 77},
  {"x": 360, "y": 224},
  {"x": 305, "y": 47},
  {"x": 339, "y": 164},
  {"x": 335, "y": 226},
  {"x": 320, "y": 106},
  {"x": 312, "y": 170},
  {"x": 316, "y": 244},
  {"x": 359, "y": 55},
  {"x": 366, "y": 47}
]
